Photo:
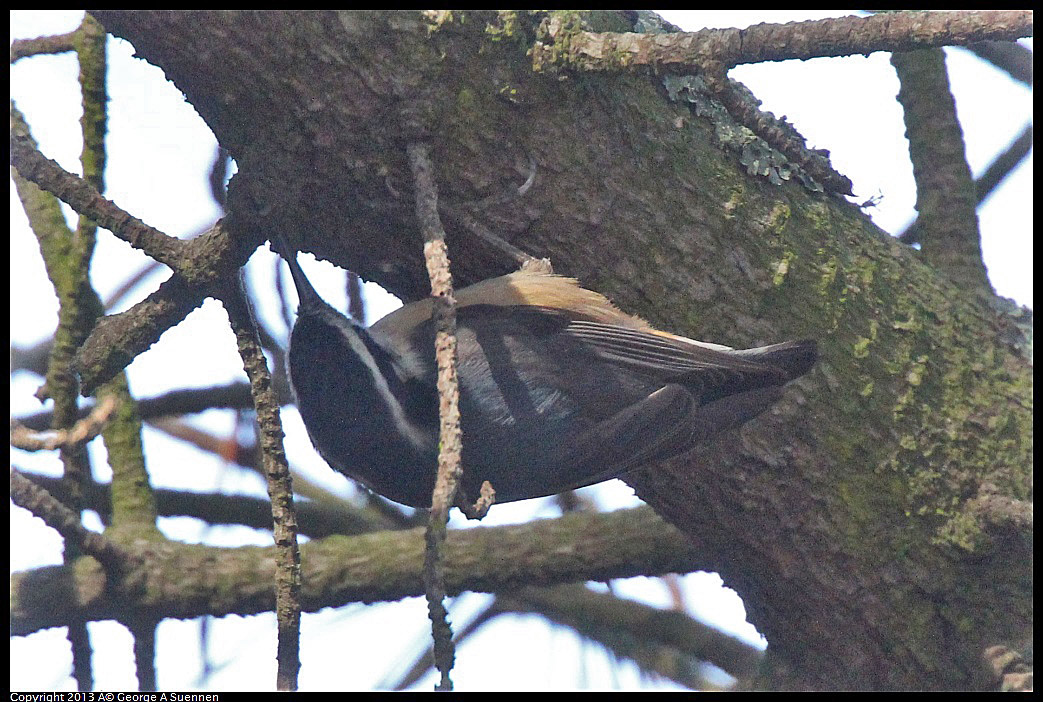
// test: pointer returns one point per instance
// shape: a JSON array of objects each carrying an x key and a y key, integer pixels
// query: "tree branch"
[
  {"x": 185, "y": 581},
  {"x": 280, "y": 487},
  {"x": 842, "y": 36},
  {"x": 28, "y": 495},
  {"x": 945, "y": 192},
  {"x": 85, "y": 199},
  {"x": 80, "y": 433},
  {"x": 989, "y": 180},
  {"x": 450, "y": 445}
]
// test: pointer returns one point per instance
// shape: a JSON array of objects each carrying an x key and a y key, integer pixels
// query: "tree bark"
[{"x": 866, "y": 520}]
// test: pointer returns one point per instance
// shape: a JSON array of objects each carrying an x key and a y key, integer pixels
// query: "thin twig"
[
  {"x": 83, "y": 431},
  {"x": 280, "y": 486},
  {"x": 318, "y": 517},
  {"x": 85, "y": 199},
  {"x": 235, "y": 395},
  {"x": 471, "y": 224},
  {"x": 27, "y": 494},
  {"x": 39, "y": 46},
  {"x": 130, "y": 283},
  {"x": 451, "y": 448},
  {"x": 1008, "y": 56},
  {"x": 426, "y": 659},
  {"x": 67, "y": 256}
]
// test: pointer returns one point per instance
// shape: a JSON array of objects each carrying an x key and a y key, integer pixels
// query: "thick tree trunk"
[{"x": 870, "y": 520}]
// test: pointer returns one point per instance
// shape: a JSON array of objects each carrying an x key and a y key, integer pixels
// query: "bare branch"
[
  {"x": 450, "y": 467},
  {"x": 945, "y": 197},
  {"x": 38, "y": 46},
  {"x": 1000, "y": 168},
  {"x": 280, "y": 487},
  {"x": 842, "y": 36},
  {"x": 385, "y": 566},
  {"x": 83, "y": 431},
  {"x": 85, "y": 199},
  {"x": 27, "y": 494}
]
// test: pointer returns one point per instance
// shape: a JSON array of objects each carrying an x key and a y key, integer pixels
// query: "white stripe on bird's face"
[{"x": 420, "y": 439}]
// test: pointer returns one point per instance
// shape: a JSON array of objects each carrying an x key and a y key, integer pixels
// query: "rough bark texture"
[{"x": 854, "y": 519}]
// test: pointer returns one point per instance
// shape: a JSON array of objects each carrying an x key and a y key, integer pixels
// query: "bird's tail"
[{"x": 795, "y": 358}]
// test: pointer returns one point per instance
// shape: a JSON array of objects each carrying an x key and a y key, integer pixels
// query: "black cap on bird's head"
[{"x": 558, "y": 388}]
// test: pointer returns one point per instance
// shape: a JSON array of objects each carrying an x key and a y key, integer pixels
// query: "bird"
[{"x": 559, "y": 389}]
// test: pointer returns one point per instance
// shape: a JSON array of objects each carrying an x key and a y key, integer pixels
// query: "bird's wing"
[
  {"x": 645, "y": 432},
  {"x": 710, "y": 370}
]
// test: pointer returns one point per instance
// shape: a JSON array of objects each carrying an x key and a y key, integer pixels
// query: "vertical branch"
[
  {"x": 144, "y": 633},
  {"x": 989, "y": 180},
  {"x": 58, "y": 250},
  {"x": 133, "y": 502},
  {"x": 123, "y": 570},
  {"x": 67, "y": 259},
  {"x": 90, "y": 49},
  {"x": 280, "y": 486},
  {"x": 450, "y": 442},
  {"x": 945, "y": 191}
]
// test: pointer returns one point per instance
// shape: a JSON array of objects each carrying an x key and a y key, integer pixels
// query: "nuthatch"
[{"x": 558, "y": 388}]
